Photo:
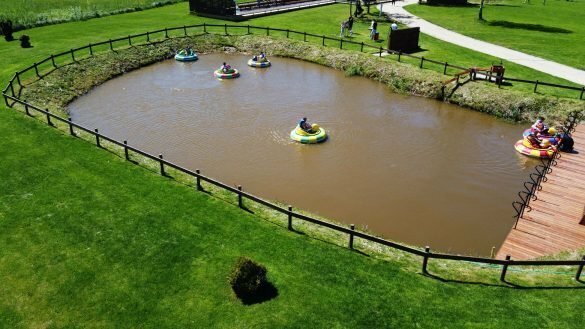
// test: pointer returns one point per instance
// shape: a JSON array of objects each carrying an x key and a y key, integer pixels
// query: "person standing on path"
[
  {"x": 373, "y": 27},
  {"x": 342, "y": 33}
]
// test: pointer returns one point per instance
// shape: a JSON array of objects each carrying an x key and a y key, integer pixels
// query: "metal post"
[
  {"x": 126, "y": 155},
  {"x": 111, "y": 45},
  {"x": 362, "y": 48},
  {"x": 184, "y": 30},
  {"x": 505, "y": 269},
  {"x": 240, "y": 196},
  {"x": 147, "y": 36},
  {"x": 580, "y": 269},
  {"x": 90, "y": 50},
  {"x": 445, "y": 69},
  {"x": 162, "y": 165},
  {"x": 48, "y": 118},
  {"x": 323, "y": 40},
  {"x": 129, "y": 41},
  {"x": 582, "y": 91},
  {"x": 97, "y": 138},
  {"x": 267, "y": 31},
  {"x": 290, "y": 228},
  {"x": 166, "y": 33},
  {"x": 535, "y": 86},
  {"x": 340, "y": 43},
  {"x": 305, "y": 40},
  {"x": 381, "y": 51},
  {"x": 198, "y": 179},
  {"x": 53, "y": 61},
  {"x": 426, "y": 260},
  {"x": 287, "y": 32},
  {"x": 204, "y": 28},
  {"x": 248, "y": 28},
  {"x": 37, "y": 70},
  {"x": 73, "y": 55},
  {"x": 352, "y": 227},
  {"x": 422, "y": 60},
  {"x": 225, "y": 29},
  {"x": 70, "y": 127}
]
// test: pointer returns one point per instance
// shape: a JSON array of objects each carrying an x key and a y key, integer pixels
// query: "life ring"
[
  {"x": 304, "y": 137},
  {"x": 182, "y": 56},
  {"x": 231, "y": 74},
  {"x": 259, "y": 63},
  {"x": 523, "y": 146}
]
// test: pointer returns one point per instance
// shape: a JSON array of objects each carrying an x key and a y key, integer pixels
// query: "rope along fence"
[{"x": 11, "y": 97}]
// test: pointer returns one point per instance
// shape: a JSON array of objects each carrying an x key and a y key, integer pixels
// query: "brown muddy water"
[{"x": 410, "y": 169}]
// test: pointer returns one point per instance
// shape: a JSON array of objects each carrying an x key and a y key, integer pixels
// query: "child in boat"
[
  {"x": 255, "y": 58},
  {"x": 262, "y": 55},
  {"x": 539, "y": 127},
  {"x": 226, "y": 68},
  {"x": 304, "y": 124}
]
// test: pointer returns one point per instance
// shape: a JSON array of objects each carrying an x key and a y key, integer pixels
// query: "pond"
[{"x": 411, "y": 169}]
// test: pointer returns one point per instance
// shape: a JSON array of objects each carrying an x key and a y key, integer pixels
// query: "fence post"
[
  {"x": 111, "y": 45},
  {"x": 225, "y": 29},
  {"x": 340, "y": 43},
  {"x": 287, "y": 32},
  {"x": 505, "y": 269},
  {"x": 422, "y": 60},
  {"x": 147, "y": 36},
  {"x": 166, "y": 33},
  {"x": 73, "y": 55},
  {"x": 69, "y": 120},
  {"x": 445, "y": 69},
  {"x": 240, "y": 197},
  {"x": 580, "y": 269},
  {"x": 53, "y": 61},
  {"x": 204, "y": 28},
  {"x": 305, "y": 40},
  {"x": 323, "y": 41},
  {"x": 352, "y": 227},
  {"x": 535, "y": 85},
  {"x": 126, "y": 150},
  {"x": 90, "y": 49},
  {"x": 582, "y": 91},
  {"x": 399, "y": 54},
  {"x": 36, "y": 70},
  {"x": 48, "y": 118},
  {"x": 426, "y": 260},
  {"x": 290, "y": 228},
  {"x": 185, "y": 30},
  {"x": 248, "y": 28},
  {"x": 97, "y": 137},
  {"x": 381, "y": 51},
  {"x": 129, "y": 41},
  {"x": 198, "y": 179},
  {"x": 162, "y": 165},
  {"x": 362, "y": 48}
]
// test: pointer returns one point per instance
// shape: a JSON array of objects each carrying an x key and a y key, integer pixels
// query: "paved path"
[{"x": 558, "y": 70}]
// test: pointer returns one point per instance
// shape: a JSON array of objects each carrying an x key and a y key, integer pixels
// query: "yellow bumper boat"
[{"x": 317, "y": 135}]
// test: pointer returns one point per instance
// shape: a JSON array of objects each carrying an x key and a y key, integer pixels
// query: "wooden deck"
[{"x": 556, "y": 221}]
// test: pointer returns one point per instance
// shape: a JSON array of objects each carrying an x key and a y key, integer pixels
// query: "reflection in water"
[{"x": 414, "y": 170}]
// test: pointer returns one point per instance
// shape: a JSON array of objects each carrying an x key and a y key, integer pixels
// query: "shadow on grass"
[
  {"x": 266, "y": 292},
  {"x": 529, "y": 27},
  {"x": 504, "y": 284}
]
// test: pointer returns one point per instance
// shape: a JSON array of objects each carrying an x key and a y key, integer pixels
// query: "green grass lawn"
[
  {"x": 28, "y": 13},
  {"x": 88, "y": 240},
  {"x": 553, "y": 31}
]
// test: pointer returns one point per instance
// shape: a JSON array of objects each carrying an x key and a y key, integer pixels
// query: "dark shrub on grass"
[
  {"x": 247, "y": 278},
  {"x": 24, "y": 41},
  {"x": 6, "y": 29}
]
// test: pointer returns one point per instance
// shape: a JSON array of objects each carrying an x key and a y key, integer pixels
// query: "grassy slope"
[
  {"x": 89, "y": 241},
  {"x": 553, "y": 31},
  {"x": 323, "y": 20}
]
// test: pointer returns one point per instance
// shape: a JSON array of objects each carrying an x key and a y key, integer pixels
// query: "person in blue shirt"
[{"x": 304, "y": 124}]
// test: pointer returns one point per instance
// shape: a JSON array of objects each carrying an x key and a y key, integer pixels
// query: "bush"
[
  {"x": 6, "y": 29},
  {"x": 247, "y": 278},
  {"x": 24, "y": 41}
]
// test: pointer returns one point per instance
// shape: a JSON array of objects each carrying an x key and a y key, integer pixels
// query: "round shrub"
[{"x": 247, "y": 277}]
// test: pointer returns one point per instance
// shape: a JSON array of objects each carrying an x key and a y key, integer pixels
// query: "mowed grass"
[
  {"x": 554, "y": 30},
  {"x": 91, "y": 241},
  {"x": 29, "y": 13}
]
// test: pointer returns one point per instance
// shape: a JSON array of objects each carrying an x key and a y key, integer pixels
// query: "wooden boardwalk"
[{"x": 556, "y": 222}]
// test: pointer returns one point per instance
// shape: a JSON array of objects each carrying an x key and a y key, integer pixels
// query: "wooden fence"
[{"x": 12, "y": 98}]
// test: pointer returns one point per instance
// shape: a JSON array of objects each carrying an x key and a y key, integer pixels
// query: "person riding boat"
[
  {"x": 304, "y": 124},
  {"x": 226, "y": 68}
]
